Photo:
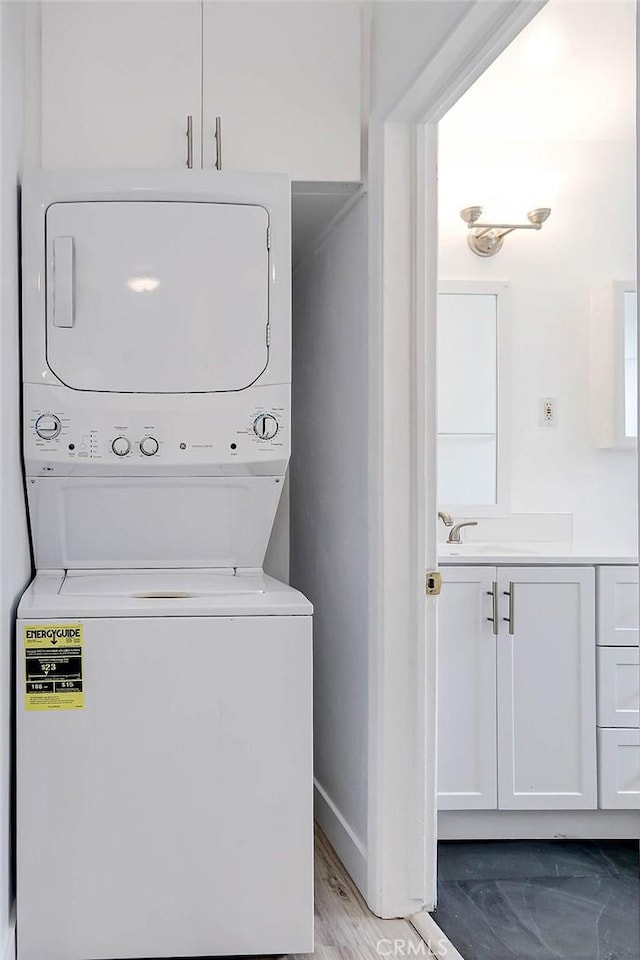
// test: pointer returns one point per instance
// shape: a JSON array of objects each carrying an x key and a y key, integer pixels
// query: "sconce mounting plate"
[{"x": 486, "y": 245}]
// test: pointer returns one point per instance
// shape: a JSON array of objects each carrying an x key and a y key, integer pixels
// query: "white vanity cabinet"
[
  {"x": 119, "y": 80},
  {"x": 517, "y": 709}
]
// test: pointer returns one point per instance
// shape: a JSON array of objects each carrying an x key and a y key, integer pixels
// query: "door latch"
[{"x": 433, "y": 583}]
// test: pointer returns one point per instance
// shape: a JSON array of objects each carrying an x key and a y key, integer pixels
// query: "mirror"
[{"x": 469, "y": 395}]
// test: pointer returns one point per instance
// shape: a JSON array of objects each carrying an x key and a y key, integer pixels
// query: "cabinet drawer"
[
  {"x": 618, "y": 606},
  {"x": 619, "y": 769},
  {"x": 618, "y": 687}
]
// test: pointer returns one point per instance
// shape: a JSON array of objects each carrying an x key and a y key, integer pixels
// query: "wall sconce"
[{"x": 486, "y": 239}]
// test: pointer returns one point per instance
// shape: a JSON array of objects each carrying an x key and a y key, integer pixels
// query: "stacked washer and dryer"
[{"x": 164, "y": 761}]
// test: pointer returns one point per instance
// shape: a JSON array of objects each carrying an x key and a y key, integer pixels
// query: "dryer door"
[{"x": 157, "y": 297}]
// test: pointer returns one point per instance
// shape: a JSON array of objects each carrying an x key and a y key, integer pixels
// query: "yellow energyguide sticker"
[{"x": 53, "y": 666}]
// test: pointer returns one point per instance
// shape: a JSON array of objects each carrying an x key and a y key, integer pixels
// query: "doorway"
[{"x": 538, "y": 743}]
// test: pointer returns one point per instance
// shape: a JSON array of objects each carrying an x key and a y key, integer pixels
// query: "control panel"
[{"x": 116, "y": 433}]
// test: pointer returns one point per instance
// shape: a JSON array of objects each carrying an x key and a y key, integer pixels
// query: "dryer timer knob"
[
  {"x": 48, "y": 426},
  {"x": 265, "y": 426}
]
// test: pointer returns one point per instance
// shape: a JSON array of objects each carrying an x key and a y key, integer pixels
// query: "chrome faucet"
[
  {"x": 446, "y": 518},
  {"x": 454, "y": 533}
]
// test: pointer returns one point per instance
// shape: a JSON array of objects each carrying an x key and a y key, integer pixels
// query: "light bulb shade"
[{"x": 539, "y": 215}]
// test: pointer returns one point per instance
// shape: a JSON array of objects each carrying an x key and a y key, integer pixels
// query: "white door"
[
  {"x": 155, "y": 297},
  {"x": 467, "y": 763},
  {"x": 547, "y": 689},
  {"x": 118, "y": 82},
  {"x": 285, "y": 80}
]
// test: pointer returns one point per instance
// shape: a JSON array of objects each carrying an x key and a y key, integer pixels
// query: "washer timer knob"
[
  {"x": 265, "y": 426},
  {"x": 121, "y": 446},
  {"x": 148, "y": 446},
  {"x": 47, "y": 426}
]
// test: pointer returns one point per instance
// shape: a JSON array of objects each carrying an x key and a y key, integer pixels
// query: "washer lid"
[
  {"x": 77, "y": 595},
  {"x": 160, "y": 584},
  {"x": 157, "y": 297}
]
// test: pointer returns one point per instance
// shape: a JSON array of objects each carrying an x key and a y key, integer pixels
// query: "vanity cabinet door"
[
  {"x": 547, "y": 689},
  {"x": 467, "y": 777}
]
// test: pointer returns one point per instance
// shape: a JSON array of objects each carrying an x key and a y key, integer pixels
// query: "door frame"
[{"x": 401, "y": 835}]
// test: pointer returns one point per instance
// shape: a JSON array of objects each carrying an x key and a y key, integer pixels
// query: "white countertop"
[
  {"x": 526, "y": 554},
  {"x": 534, "y": 560}
]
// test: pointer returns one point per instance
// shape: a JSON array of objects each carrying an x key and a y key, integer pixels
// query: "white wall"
[
  {"x": 405, "y": 36},
  {"x": 15, "y": 565},
  {"x": 329, "y": 518},
  {"x": 588, "y": 242}
]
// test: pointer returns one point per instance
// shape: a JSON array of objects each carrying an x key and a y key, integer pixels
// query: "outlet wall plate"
[{"x": 548, "y": 411}]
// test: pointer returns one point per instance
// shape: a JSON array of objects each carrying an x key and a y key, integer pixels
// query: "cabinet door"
[
  {"x": 118, "y": 81},
  {"x": 466, "y": 691},
  {"x": 547, "y": 690},
  {"x": 618, "y": 606},
  {"x": 285, "y": 80}
]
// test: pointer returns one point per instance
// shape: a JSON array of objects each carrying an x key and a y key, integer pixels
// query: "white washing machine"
[{"x": 164, "y": 761}]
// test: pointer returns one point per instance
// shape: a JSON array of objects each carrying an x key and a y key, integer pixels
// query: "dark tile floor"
[{"x": 540, "y": 900}]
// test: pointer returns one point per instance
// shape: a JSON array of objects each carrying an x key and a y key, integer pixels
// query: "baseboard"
[
  {"x": 9, "y": 945},
  {"x": 347, "y": 845},
  {"x": 539, "y": 825},
  {"x": 438, "y": 942}
]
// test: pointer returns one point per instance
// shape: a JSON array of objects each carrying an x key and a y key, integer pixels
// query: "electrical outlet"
[{"x": 548, "y": 411}]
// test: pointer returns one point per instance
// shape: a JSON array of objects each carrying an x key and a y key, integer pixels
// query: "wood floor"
[{"x": 345, "y": 928}]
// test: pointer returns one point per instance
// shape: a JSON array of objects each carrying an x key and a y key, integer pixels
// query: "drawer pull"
[
  {"x": 493, "y": 593},
  {"x": 511, "y": 620}
]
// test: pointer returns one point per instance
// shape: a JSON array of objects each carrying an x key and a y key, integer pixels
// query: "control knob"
[
  {"x": 265, "y": 426},
  {"x": 121, "y": 446},
  {"x": 148, "y": 446},
  {"x": 48, "y": 426}
]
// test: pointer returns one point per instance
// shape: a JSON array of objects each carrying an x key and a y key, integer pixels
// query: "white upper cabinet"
[
  {"x": 118, "y": 82},
  {"x": 547, "y": 690},
  {"x": 120, "y": 79},
  {"x": 284, "y": 78}
]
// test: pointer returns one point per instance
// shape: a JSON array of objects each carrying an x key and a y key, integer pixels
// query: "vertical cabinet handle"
[
  {"x": 190, "y": 142},
  {"x": 218, "y": 139},
  {"x": 493, "y": 593},
  {"x": 511, "y": 593}
]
